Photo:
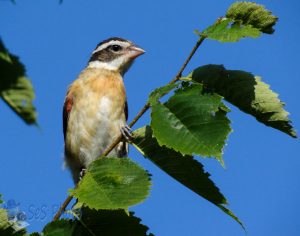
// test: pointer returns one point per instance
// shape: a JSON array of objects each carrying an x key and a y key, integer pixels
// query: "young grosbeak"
[{"x": 95, "y": 109}]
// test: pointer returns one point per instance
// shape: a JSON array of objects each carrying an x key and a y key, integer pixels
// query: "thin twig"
[
  {"x": 62, "y": 207},
  {"x": 135, "y": 119}
]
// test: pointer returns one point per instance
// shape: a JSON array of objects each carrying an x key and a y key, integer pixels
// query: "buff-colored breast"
[{"x": 96, "y": 117}]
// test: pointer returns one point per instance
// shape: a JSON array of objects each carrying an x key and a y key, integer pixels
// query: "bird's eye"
[{"x": 115, "y": 48}]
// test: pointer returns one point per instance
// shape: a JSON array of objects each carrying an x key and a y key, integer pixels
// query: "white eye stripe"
[{"x": 105, "y": 45}]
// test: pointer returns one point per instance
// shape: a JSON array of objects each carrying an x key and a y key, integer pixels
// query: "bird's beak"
[{"x": 135, "y": 51}]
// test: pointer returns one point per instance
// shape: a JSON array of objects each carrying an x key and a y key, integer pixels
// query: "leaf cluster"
[{"x": 193, "y": 121}]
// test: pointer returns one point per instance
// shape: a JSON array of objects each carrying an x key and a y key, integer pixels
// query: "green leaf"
[
  {"x": 113, "y": 183},
  {"x": 60, "y": 228},
  {"x": 159, "y": 92},
  {"x": 3, "y": 219},
  {"x": 248, "y": 93},
  {"x": 9, "y": 228},
  {"x": 243, "y": 19},
  {"x": 116, "y": 222},
  {"x": 15, "y": 88},
  {"x": 185, "y": 169},
  {"x": 225, "y": 30},
  {"x": 251, "y": 13},
  {"x": 191, "y": 122},
  {"x": 1, "y": 201},
  {"x": 103, "y": 222}
]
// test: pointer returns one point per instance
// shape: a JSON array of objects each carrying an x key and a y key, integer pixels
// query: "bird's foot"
[
  {"x": 82, "y": 173},
  {"x": 127, "y": 133}
]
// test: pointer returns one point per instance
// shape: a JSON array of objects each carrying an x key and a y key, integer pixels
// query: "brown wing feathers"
[{"x": 66, "y": 111}]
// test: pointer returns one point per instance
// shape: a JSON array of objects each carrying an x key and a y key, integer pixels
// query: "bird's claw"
[
  {"x": 127, "y": 133},
  {"x": 82, "y": 173}
]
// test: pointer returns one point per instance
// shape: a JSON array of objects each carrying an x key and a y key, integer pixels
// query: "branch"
[{"x": 135, "y": 119}]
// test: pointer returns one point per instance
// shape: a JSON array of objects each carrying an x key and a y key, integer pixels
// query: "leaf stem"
[{"x": 135, "y": 119}]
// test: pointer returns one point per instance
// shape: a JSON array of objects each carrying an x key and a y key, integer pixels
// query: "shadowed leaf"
[
  {"x": 185, "y": 169},
  {"x": 15, "y": 88},
  {"x": 248, "y": 93},
  {"x": 103, "y": 222},
  {"x": 114, "y": 222},
  {"x": 62, "y": 227}
]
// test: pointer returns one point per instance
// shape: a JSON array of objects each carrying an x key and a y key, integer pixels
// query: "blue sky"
[{"x": 261, "y": 179}]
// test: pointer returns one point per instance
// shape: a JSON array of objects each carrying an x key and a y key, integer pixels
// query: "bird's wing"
[{"x": 66, "y": 112}]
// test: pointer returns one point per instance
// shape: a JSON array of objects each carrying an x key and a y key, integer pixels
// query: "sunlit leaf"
[
  {"x": 185, "y": 169},
  {"x": 15, "y": 88},
  {"x": 113, "y": 183},
  {"x": 243, "y": 19},
  {"x": 3, "y": 219},
  {"x": 248, "y": 93},
  {"x": 161, "y": 91},
  {"x": 191, "y": 122},
  {"x": 9, "y": 228},
  {"x": 251, "y": 13},
  {"x": 227, "y": 31}
]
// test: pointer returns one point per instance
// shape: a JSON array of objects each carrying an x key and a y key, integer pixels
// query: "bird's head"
[{"x": 115, "y": 54}]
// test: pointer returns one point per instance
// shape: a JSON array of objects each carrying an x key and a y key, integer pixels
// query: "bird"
[{"x": 95, "y": 109}]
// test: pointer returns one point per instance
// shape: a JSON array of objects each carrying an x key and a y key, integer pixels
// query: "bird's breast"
[{"x": 96, "y": 117}]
